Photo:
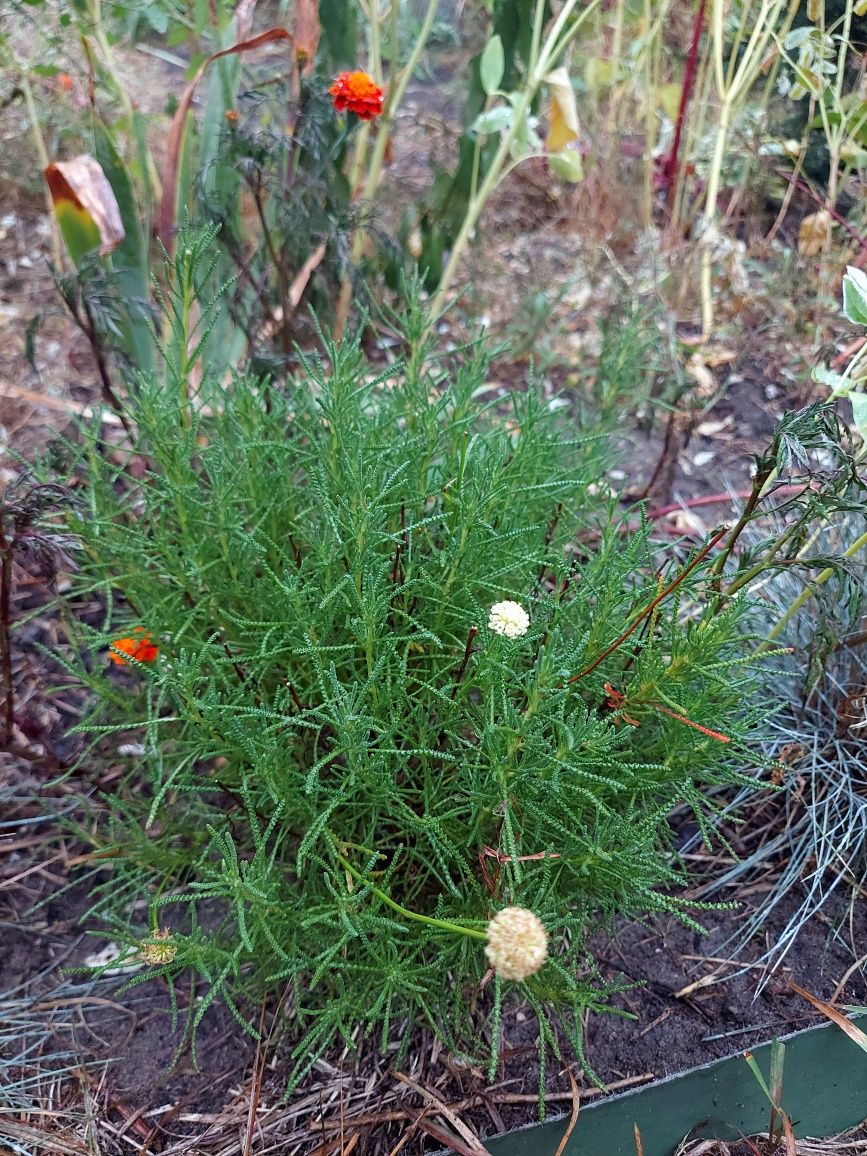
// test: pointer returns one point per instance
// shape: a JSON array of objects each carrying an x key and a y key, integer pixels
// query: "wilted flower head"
[
  {"x": 141, "y": 648},
  {"x": 359, "y": 93},
  {"x": 508, "y": 618},
  {"x": 517, "y": 943},
  {"x": 159, "y": 953}
]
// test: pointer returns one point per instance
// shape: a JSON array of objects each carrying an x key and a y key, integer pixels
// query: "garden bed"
[
  {"x": 92, "y": 1066},
  {"x": 128, "y": 1046}
]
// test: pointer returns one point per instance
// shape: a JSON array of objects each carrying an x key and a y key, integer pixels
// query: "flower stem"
[{"x": 456, "y": 928}]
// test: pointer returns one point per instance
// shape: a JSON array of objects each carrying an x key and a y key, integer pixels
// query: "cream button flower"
[
  {"x": 159, "y": 953},
  {"x": 509, "y": 619},
  {"x": 517, "y": 943}
]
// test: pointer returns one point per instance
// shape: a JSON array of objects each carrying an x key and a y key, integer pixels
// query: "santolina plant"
[{"x": 412, "y": 705}]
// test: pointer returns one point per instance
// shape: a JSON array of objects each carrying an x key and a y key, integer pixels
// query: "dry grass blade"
[
  {"x": 791, "y": 1146},
  {"x": 852, "y": 1143},
  {"x": 475, "y": 1145},
  {"x": 573, "y": 1119},
  {"x": 855, "y": 1034},
  {"x": 704, "y": 1148},
  {"x": 639, "y": 1145},
  {"x": 31, "y": 1139},
  {"x": 296, "y": 289}
]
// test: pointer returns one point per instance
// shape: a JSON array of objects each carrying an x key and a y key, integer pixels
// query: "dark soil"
[{"x": 170, "y": 1098}]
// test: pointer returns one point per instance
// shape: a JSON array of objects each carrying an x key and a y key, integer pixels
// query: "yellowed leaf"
[
  {"x": 835, "y": 1015},
  {"x": 668, "y": 99},
  {"x": 814, "y": 233},
  {"x": 697, "y": 369},
  {"x": 563, "y": 125}
]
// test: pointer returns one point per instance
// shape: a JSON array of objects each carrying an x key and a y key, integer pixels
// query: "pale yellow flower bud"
[
  {"x": 157, "y": 954},
  {"x": 508, "y": 618},
  {"x": 517, "y": 943}
]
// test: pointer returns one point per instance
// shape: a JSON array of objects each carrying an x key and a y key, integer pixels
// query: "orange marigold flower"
[
  {"x": 359, "y": 93},
  {"x": 65, "y": 82},
  {"x": 231, "y": 116},
  {"x": 142, "y": 649}
]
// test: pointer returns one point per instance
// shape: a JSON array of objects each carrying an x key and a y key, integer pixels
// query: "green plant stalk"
[
  {"x": 549, "y": 54},
  {"x": 807, "y": 593},
  {"x": 44, "y": 161},
  {"x": 732, "y": 89},
  {"x": 650, "y": 86},
  {"x": 835, "y": 135},
  {"x": 771, "y": 553},
  {"x": 455, "y": 928},
  {"x": 149, "y": 169}
]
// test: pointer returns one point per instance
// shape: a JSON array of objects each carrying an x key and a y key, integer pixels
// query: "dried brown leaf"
[{"x": 82, "y": 183}]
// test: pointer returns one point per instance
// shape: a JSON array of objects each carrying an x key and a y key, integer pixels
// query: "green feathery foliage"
[{"x": 346, "y": 771}]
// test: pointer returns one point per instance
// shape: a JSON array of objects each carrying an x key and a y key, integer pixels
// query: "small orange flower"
[
  {"x": 359, "y": 93},
  {"x": 65, "y": 82},
  {"x": 231, "y": 116},
  {"x": 142, "y": 649}
]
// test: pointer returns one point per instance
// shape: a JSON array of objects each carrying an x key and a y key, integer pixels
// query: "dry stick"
[
  {"x": 573, "y": 1119},
  {"x": 718, "y": 499},
  {"x": 651, "y": 606},
  {"x": 803, "y": 187}
]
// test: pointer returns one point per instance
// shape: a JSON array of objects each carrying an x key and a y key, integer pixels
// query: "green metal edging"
[{"x": 824, "y": 1092}]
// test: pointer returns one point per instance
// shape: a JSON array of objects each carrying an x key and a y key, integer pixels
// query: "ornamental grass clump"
[{"x": 367, "y": 782}]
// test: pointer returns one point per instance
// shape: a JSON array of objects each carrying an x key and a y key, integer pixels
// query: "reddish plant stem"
[
  {"x": 5, "y": 634},
  {"x": 651, "y": 606},
  {"x": 717, "y": 499},
  {"x": 671, "y": 166},
  {"x": 468, "y": 650},
  {"x": 688, "y": 722}
]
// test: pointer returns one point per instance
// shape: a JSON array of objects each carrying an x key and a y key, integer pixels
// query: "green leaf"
[
  {"x": 567, "y": 165},
  {"x": 855, "y": 295},
  {"x": 493, "y": 120},
  {"x": 859, "y": 413},
  {"x": 826, "y": 376},
  {"x": 492, "y": 65},
  {"x": 158, "y": 18}
]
